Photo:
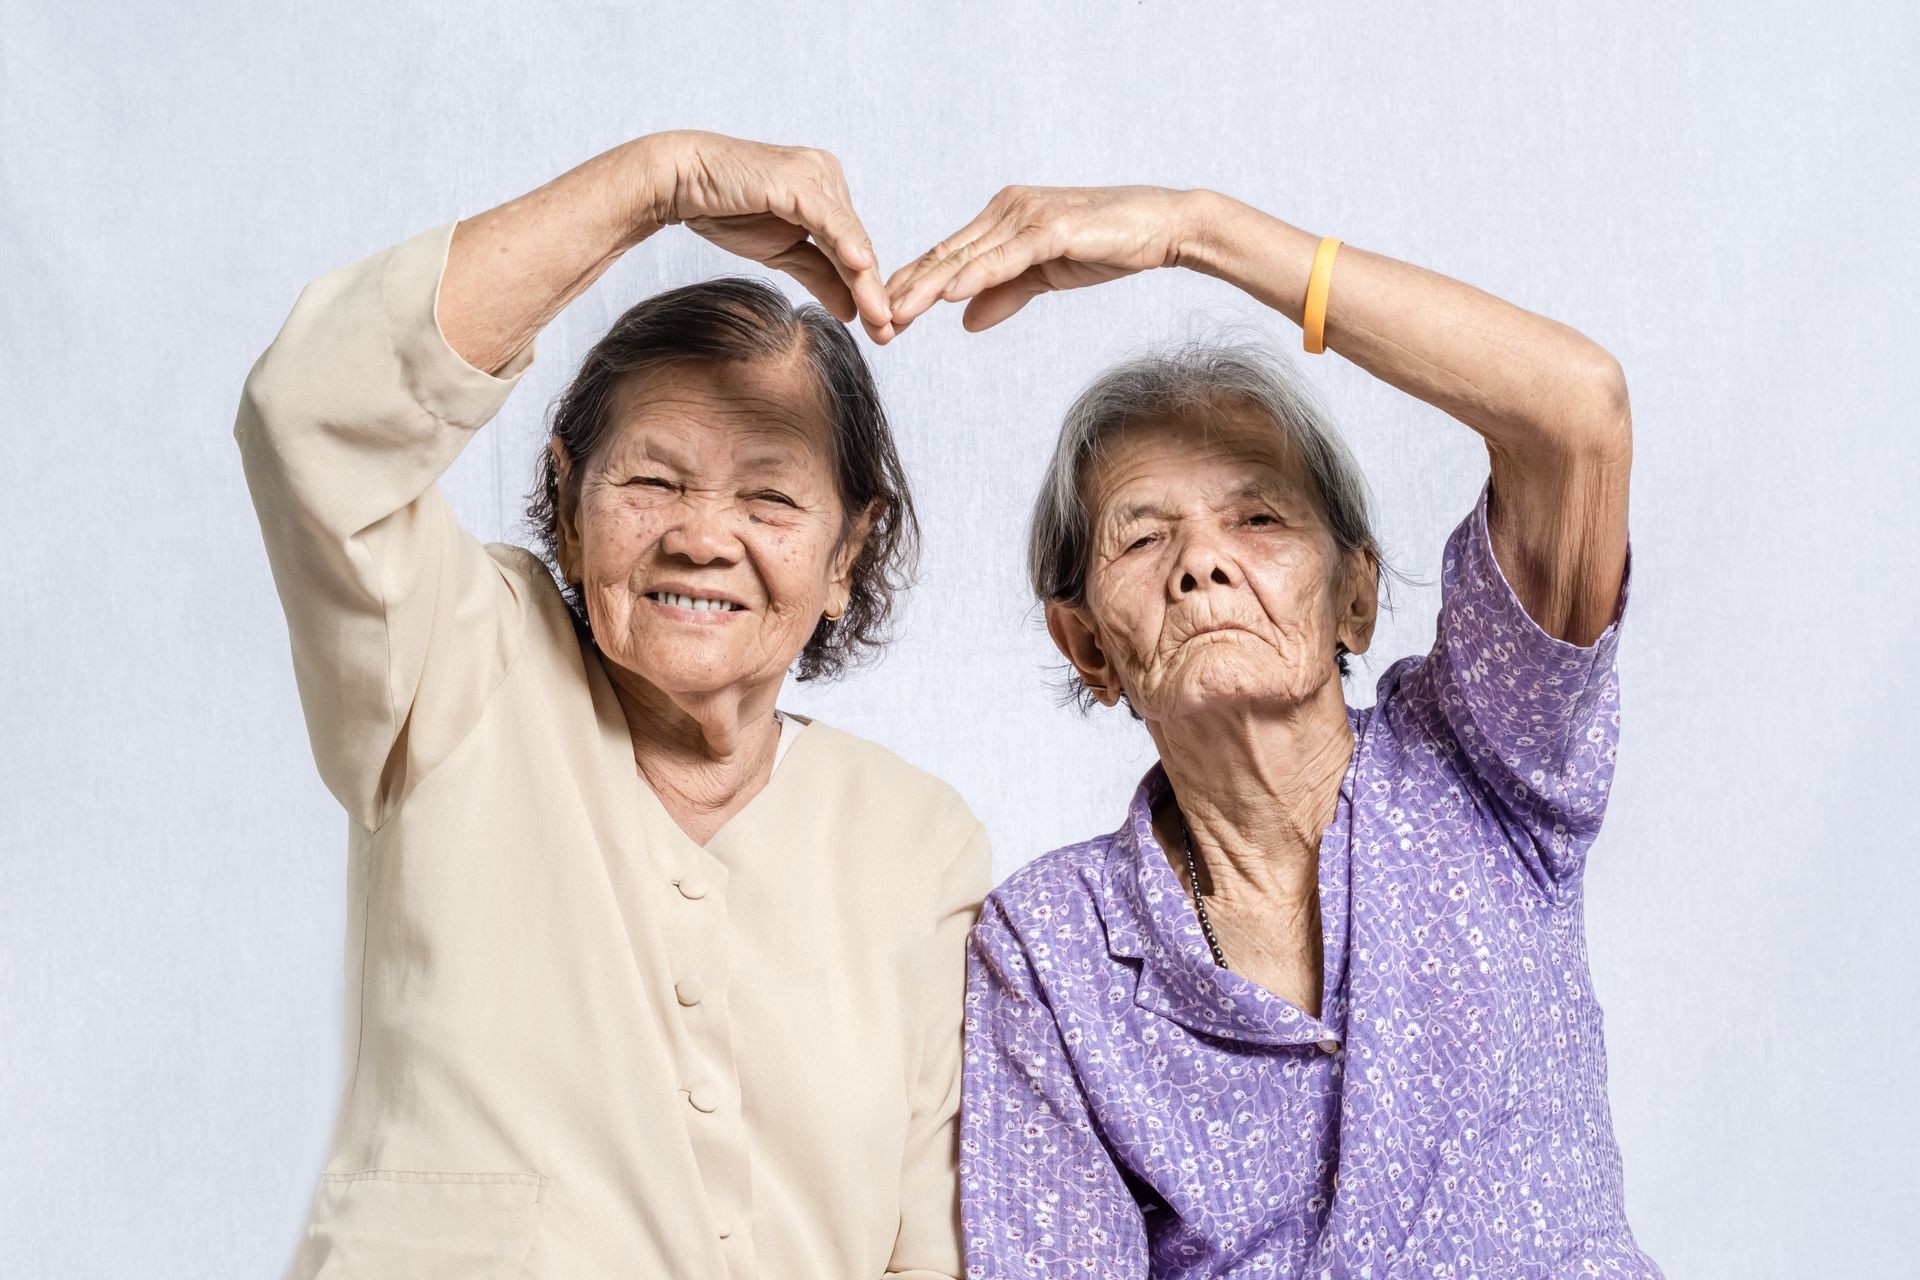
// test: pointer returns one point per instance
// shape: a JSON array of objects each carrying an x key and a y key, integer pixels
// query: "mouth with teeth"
[{"x": 697, "y": 604}]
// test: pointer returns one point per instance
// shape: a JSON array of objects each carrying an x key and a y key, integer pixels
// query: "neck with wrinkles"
[
  {"x": 1256, "y": 785},
  {"x": 704, "y": 755}
]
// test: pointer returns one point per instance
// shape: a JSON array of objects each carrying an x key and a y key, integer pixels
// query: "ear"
[
  {"x": 847, "y": 554},
  {"x": 1357, "y": 600},
  {"x": 566, "y": 509},
  {"x": 1072, "y": 629}
]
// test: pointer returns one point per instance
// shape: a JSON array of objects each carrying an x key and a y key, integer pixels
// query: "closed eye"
[
  {"x": 652, "y": 482},
  {"x": 771, "y": 495}
]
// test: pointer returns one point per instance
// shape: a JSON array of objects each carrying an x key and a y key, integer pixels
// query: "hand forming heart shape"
[{"x": 790, "y": 208}]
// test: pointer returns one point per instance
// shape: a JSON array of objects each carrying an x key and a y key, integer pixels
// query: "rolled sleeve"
[
  {"x": 1537, "y": 717},
  {"x": 433, "y": 373}
]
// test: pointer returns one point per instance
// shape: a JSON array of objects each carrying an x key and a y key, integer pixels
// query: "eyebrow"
[
  {"x": 1254, "y": 489},
  {"x": 763, "y": 463},
  {"x": 777, "y": 456},
  {"x": 1138, "y": 511}
]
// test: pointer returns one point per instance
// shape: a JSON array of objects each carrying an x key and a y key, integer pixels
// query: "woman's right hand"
[{"x": 784, "y": 207}]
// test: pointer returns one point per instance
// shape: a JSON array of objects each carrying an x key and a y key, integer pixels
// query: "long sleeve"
[
  {"x": 1536, "y": 717},
  {"x": 400, "y": 622},
  {"x": 928, "y": 1245},
  {"x": 1041, "y": 1197}
]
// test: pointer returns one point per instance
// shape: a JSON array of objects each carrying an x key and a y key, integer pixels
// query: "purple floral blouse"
[{"x": 1132, "y": 1110}]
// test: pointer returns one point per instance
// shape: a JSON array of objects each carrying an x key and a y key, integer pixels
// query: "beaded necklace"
[{"x": 1199, "y": 904}]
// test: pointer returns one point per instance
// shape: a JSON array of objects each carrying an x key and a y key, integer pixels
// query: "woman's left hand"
[{"x": 1032, "y": 240}]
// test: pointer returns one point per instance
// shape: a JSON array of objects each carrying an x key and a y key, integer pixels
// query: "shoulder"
[
  {"x": 871, "y": 764},
  {"x": 1043, "y": 926},
  {"x": 526, "y": 570},
  {"x": 1060, "y": 887},
  {"x": 542, "y": 606},
  {"x": 865, "y": 781}
]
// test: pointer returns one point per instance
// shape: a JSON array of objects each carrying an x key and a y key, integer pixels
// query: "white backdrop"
[{"x": 1724, "y": 196}]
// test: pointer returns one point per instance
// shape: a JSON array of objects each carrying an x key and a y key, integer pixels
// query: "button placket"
[{"x": 709, "y": 1078}]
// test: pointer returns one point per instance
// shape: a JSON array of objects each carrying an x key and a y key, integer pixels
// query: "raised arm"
[
  {"x": 515, "y": 267},
  {"x": 1550, "y": 404},
  {"x": 401, "y": 624}
]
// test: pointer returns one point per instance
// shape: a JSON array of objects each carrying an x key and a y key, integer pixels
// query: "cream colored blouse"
[{"x": 578, "y": 1043}]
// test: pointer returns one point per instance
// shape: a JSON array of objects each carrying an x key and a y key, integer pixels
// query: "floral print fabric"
[{"x": 1131, "y": 1110}]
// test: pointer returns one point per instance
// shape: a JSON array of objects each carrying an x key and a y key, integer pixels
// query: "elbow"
[
  {"x": 1606, "y": 388},
  {"x": 252, "y": 398},
  {"x": 1596, "y": 419},
  {"x": 257, "y": 430}
]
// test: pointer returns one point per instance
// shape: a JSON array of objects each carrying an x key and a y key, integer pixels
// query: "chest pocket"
[{"x": 378, "y": 1223}]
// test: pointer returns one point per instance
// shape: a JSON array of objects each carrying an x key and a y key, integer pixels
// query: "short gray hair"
[{"x": 1189, "y": 378}]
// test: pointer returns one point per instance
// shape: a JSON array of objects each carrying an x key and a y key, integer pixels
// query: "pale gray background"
[{"x": 1725, "y": 196}]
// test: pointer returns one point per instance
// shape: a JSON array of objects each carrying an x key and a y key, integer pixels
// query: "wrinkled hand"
[
  {"x": 1032, "y": 240},
  {"x": 784, "y": 207}
]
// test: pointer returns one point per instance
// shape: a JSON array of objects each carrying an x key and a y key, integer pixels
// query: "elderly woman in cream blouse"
[{"x": 646, "y": 977}]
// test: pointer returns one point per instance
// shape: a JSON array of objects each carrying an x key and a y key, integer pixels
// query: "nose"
[
  {"x": 1200, "y": 564},
  {"x": 702, "y": 535}
]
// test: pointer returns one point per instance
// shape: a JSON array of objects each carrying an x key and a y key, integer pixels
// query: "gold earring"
[{"x": 833, "y": 617}]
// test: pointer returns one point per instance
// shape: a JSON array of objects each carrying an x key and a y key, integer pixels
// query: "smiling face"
[
  {"x": 1214, "y": 581},
  {"x": 706, "y": 533}
]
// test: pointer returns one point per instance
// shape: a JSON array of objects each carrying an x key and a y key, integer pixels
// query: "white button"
[
  {"x": 689, "y": 990},
  {"x": 693, "y": 886},
  {"x": 1330, "y": 1046},
  {"x": 705, "y": 1098},
  {"x": 726, "y": 1233}
]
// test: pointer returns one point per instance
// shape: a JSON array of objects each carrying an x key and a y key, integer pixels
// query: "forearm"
[
  {"x": 512, "y": 269},
  {"x": 1526, "y": 383}
]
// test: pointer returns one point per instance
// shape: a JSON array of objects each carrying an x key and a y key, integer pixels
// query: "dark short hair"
[{"x": 734, "y": 318}]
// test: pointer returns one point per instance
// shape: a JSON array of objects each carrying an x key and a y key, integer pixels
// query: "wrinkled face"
[
  {"x": 707, "y": 538},
  {"x": 1214, "y": 579}
]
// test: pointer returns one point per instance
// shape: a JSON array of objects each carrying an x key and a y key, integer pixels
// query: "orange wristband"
[{"x": 1314, "y": 319}]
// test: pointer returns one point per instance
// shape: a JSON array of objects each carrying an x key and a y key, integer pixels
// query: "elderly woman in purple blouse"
[{"x": 1319, "y": 1007}]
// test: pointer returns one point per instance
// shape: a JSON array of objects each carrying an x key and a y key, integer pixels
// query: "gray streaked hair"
[{"x": 1189, "y": 379}]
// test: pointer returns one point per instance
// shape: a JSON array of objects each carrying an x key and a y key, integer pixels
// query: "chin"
[
  {"x": 670, "y": 668},
  {"x": 1226, "y": 684}
]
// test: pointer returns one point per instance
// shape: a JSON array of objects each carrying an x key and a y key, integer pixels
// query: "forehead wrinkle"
[
  {"x": 776, "y": 424},
  {"x": 776, "y": 418}
]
